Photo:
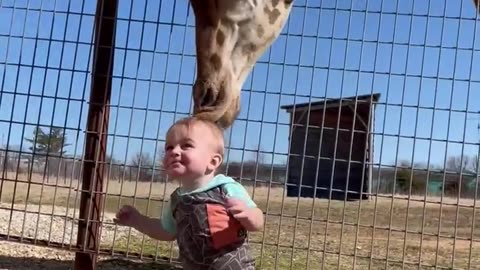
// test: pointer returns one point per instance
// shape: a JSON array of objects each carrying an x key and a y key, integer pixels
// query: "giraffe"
[{"x": 230, "y": 36}]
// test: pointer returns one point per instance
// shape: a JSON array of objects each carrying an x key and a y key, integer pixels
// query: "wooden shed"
[{"x": 335, "y": 167}]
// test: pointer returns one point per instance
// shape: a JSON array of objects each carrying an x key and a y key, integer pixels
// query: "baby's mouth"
[{"x": 176, "y": 162}]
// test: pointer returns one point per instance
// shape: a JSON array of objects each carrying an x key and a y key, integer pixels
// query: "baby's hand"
[
  {"x": 250, "y": 217},
  {"x": 237, "y": 208},
  {"x": 127, "y": 216}
]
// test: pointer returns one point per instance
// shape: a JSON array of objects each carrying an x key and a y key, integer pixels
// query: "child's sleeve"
[
  {"x": 167, "y": 221},
  {"x": 236, "y": 190}
]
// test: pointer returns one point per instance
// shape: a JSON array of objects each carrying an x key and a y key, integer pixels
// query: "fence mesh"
[{"x": 358, "y": 135}]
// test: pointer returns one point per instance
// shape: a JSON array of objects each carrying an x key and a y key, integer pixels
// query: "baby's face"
[{"x": 188, "y": 151}]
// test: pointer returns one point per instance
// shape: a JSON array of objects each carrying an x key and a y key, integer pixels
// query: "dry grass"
[{"x": 303, "y": 223}]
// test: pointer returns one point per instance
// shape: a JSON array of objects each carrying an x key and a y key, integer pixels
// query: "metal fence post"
[{"x": 91, "y": 202}]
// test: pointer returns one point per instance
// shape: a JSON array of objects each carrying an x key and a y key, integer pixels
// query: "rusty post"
[{"x": 91, "y": 200}]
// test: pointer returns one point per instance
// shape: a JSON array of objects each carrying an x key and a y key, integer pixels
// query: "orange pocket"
[{"x": 224, "y": 229}]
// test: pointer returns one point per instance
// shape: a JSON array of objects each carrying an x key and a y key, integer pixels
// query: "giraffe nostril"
[{"x": 209, "y": 97}]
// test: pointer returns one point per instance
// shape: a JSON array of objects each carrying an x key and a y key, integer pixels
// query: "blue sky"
[{"x": 327, "y": 49}]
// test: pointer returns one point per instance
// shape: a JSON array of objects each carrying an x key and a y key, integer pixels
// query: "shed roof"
[{"x": 320, "y": 104}]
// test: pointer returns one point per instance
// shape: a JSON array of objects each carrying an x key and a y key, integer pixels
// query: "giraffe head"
[{"x": 230, "y": 36}]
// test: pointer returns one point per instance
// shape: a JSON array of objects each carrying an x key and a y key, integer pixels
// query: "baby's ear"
[{"x": 216, "y": 161}]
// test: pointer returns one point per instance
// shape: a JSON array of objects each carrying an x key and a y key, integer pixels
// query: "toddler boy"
[{"x": 210, "y": 214}]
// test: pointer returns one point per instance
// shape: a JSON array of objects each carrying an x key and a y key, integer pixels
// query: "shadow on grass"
[{"x": 19, "y": 263}]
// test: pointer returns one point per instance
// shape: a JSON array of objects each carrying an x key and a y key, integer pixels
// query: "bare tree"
[
  {"x": 259, "y": 155},
  {"x": 457, "y": 163},
  {"x": 160, "y": 153},
  {"x": 141, "y": 165},
  {"x": 420, "y": 165},
  {"x": 474, "y": 163}
]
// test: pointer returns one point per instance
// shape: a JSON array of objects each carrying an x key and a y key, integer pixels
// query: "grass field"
[{"x": 365, "y": 233}]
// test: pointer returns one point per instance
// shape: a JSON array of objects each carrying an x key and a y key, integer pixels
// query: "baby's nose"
[{"x": 175, "y": 151}]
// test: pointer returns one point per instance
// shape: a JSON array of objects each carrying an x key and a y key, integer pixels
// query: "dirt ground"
[
  {"x": 401, "y": 233},
  {"x": 14, "y": 256}
]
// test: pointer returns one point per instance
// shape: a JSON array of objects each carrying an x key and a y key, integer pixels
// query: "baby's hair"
[{"x": 215, "y": 128}]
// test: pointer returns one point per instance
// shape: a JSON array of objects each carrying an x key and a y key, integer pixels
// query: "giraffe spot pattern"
[
  {"x": 260, "y": 31},
  {"x": 216, "y": 62},
  {"x": 272, "y": 14}
]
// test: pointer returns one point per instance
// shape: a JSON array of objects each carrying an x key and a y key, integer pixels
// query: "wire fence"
[{"x": 359, "y": 131}]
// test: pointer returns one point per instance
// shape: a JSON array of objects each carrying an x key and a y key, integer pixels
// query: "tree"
[
  {"x": 474, "y": 163},
  {"x": 52, "y": 143},
  {"x": 57, "y": 142},
  {"x": 11, "y": 160},
  {"x": 48, "y": 147},
  {"x": 142, "y": 164},
  {"x": 39, "y": 141},
  {"x": 141, "y": 159},
  {"x": 457, "y": 163},
  {"x": 258, "y": 156},
  {"x": 160, "y": 152},
  {"x": 406, "y": 177}
]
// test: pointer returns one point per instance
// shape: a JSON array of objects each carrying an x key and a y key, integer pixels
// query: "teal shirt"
[{"x": 232, "y": 187}]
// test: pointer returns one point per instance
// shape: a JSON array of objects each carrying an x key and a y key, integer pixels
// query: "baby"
[{"x": 210, "y": 214}]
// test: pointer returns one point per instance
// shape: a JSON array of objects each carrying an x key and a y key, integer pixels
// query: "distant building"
[{"x": 304, "y": 149}]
